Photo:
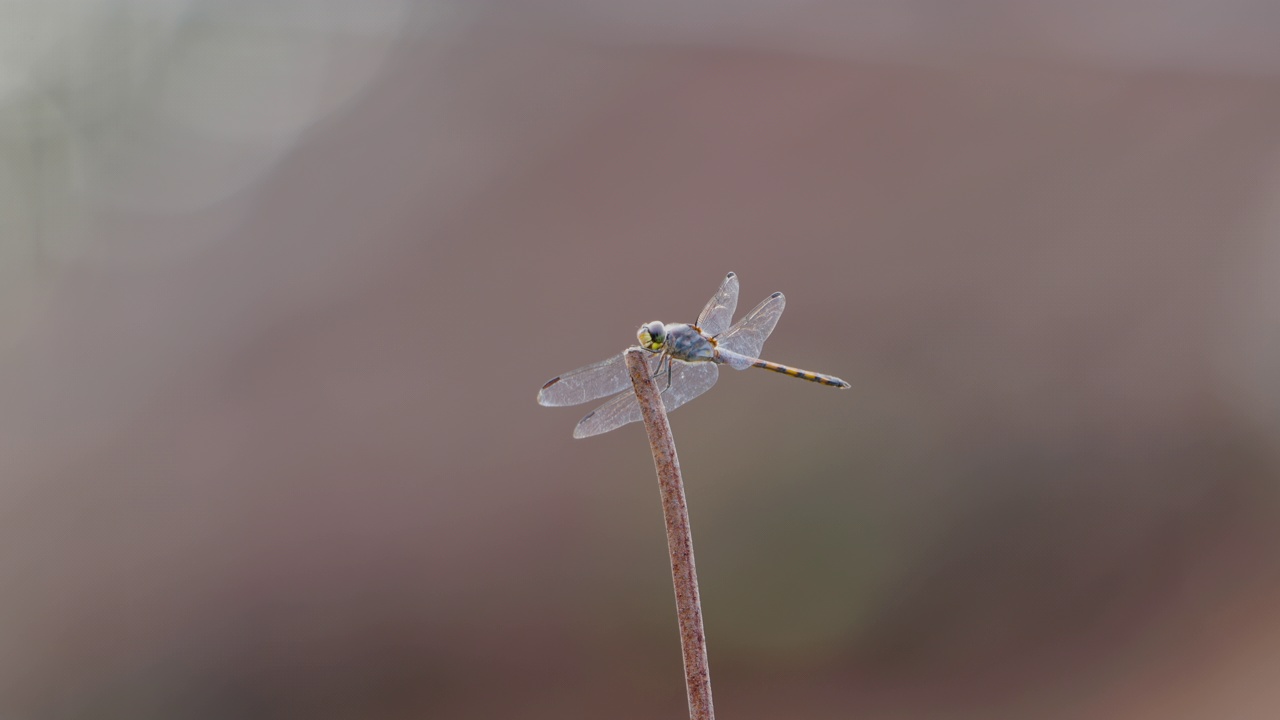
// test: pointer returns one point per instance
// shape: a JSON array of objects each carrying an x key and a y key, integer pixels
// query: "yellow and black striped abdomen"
[{"x": 802, "y": 374}]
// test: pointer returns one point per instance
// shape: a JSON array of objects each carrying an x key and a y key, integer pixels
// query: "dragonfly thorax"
[{"x": 687, "y": 343}]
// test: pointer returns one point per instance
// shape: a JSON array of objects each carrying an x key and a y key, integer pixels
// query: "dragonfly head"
[{"x": 652, "y": 335}]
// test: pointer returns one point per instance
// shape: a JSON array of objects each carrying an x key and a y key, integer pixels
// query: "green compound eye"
[{"x": 652, "y": 335}]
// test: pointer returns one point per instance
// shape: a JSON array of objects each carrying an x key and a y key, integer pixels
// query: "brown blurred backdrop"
[{"x": 279, "y": 282}]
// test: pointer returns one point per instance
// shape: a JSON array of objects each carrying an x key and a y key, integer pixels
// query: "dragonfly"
[{"x": 684, "y": 360}]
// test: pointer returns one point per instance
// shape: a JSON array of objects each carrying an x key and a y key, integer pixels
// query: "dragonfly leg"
[{"x": 658, "y": 372}]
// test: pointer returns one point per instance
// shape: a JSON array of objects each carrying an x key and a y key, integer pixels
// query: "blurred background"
[{"x": 279, "y": 282}]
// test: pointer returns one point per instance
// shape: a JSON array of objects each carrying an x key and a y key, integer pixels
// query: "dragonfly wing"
[
  {"x": 715, "y": 317},
  {"x": 748, "y": 335},
  {"x": 592, "y": 382},
  {"x": 622, "y": 409},
  {"x": 586, "y": 383},
  {"x": 688, "y": 381}
]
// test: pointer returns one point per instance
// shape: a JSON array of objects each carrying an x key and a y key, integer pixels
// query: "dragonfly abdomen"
[{"x": 802, "y": 374}]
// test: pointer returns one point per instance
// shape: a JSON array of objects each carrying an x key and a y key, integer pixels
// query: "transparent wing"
[
  {"x": 748, "y": 335},
  {"x": 688, "y": 381},
  {"x": 622, "y": 409},
  {"x": 591, "y": 382},
  {"x": 718, "y": 313},
  {"x": 586, "y": 383}
]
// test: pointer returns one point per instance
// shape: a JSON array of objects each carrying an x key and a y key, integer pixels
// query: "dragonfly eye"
[{"x": 652, "y": 335}]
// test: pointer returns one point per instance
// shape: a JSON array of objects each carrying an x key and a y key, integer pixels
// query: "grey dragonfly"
[{"x": 685, "y": 362}]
